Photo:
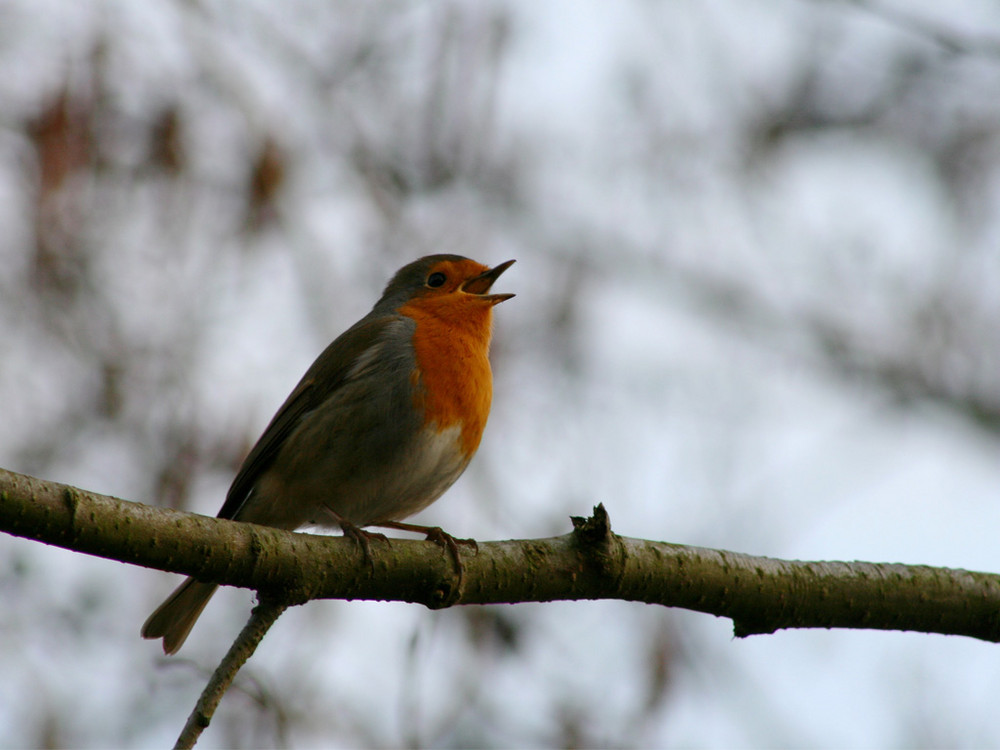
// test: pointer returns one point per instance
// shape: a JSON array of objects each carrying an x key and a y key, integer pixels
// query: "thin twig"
[{"x": 262, "y": 618}]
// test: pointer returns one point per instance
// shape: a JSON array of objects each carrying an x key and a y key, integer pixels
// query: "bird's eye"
[{"x": 436, "y": 279}]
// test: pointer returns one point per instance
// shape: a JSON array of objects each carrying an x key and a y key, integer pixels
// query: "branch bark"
[{"x": 760, "y": 595}]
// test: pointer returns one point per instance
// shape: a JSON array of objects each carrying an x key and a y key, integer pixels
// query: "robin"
[{"x": 383, "y": 422}]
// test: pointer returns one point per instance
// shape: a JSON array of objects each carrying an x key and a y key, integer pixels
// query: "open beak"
[{"x": 480, "y": 285}]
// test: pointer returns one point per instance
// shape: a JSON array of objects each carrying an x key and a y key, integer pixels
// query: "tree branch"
[
  {"x": 760, "y": 595},
  {"x": 261, "y": 619}
]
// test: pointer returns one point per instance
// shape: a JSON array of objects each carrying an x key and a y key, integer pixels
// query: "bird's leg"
[
  {"x": 440, "y": 537},
  {"x": 359, "y": 535}
]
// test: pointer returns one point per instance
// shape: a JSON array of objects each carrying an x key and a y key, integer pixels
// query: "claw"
[
  {"x": 361, "y": 536},
  {"x": 441, "y": 538},
  {"x": 364, "y": 540}
]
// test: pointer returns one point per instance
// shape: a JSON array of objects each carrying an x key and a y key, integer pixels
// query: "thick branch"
[{"x": 760, "y": 595}]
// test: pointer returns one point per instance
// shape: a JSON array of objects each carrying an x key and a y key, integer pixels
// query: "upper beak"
[{"x": 481, "y": 284}]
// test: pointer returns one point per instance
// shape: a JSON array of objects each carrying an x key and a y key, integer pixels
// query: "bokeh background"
[{"x": 758, "y": 294}]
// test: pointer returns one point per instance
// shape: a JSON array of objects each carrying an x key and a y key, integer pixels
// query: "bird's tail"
[{"x": 173, "y": 620}]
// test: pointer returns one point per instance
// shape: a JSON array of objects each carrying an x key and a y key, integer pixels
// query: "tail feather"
[{"x": 173, "y": 620}]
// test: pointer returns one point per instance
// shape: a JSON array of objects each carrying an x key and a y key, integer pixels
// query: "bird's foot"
[
  {"x": 441, "y": 538},
  {"x": 362, "y": 537},
  {"x": 364, "y": 540}
]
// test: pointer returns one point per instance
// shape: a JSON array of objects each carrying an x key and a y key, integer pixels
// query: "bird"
[{"x": 381, "y": 424}]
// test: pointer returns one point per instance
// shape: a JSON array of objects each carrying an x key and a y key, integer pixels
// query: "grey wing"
[{"x": 339, "y": 363}]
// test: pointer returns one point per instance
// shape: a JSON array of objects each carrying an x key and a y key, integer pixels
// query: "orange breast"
[{"x": 453, "y": 382}]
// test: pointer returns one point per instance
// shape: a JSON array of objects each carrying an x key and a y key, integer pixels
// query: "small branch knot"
[
  {"x": 603, "y": 552},
  {"x": 593, "y": 531},
  {"x": 443, "y": 596},
  {"x": 72, "y": 502}
]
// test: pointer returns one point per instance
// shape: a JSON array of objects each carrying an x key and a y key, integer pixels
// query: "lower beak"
[{"x": 480, "y": 285}]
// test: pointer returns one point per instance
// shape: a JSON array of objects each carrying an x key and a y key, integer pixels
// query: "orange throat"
[{"x": 453, "y": 382}]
